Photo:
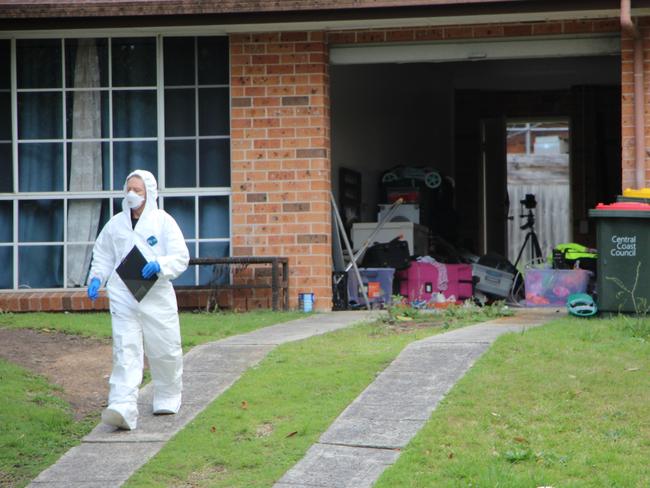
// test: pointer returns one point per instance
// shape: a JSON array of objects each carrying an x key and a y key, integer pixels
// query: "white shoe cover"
[
  {"x": 166, "y": 406},
  {"x": 117, "y": 416}
]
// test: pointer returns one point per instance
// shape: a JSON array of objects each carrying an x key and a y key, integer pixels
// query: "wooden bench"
[{"x": 279, "y": 276}]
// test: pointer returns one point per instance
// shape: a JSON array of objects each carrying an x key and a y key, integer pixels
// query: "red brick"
[
  {"x": 431, "y": 34},
  {"x": 371, "y": 36},
  {"x": 341, "y": 37}
]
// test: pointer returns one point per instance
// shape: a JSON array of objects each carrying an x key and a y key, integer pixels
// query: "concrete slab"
[
  {"x": 369, "y": 432},
  {"x": 217, "y": 357},
  {"x": 436, "y": 357},
  {"x": 198, "y": 387},
  {"x": 101, "y": 464},
  {"x": 329, "y": 466},
  {"x": 482, "y": 333},
  {"x": 151, "y": 428},
  {"x": 296, "y": 330}
]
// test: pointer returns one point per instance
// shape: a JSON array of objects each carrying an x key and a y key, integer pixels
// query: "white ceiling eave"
[
  {"x": 330, "y": 25},
  {"x": 476, "y": 50}
]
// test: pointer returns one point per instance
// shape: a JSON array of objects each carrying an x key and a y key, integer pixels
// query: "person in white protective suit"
[{"x": 152, "y": 322}]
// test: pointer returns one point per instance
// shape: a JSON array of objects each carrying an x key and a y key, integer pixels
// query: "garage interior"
[{"x": 452, "y": 116}]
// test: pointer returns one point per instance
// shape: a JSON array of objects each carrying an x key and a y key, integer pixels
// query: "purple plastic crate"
[{"x": 552, "y": 287}]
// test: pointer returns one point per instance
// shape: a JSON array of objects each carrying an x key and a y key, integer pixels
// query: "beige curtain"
[{"x": 85, "y": 162}]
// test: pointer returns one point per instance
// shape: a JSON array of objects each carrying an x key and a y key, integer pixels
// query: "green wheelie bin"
[{"x": 623, "y": 237}]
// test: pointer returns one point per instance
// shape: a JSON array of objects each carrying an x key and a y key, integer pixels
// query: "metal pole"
[
  {"x": 349, "y": 249},
  {"x": 370, "y": 238}
]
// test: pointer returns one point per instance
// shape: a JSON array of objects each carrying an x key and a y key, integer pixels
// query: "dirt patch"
[{"x": 79, "y": 365}]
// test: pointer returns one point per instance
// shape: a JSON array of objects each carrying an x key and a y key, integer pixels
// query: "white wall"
[{"x": 389, "y": 115}]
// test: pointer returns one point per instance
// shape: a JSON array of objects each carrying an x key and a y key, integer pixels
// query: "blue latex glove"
[
  {"x": 150, "y": 269},
  {"x": 93, "y": 289}
]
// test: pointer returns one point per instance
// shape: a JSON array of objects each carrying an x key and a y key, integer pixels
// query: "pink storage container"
[
  {"x": 552, "y": 287},
  {"x": 420, "y": 281}
]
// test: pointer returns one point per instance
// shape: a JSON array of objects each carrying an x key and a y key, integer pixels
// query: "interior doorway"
[{"x": 538, "y": 186}]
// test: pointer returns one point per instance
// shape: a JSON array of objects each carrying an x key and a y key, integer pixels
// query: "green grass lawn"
[
  {"x": 196, "y": 328},
  {"x": 37, "y": 427},
  {"x": 266, "y": 421},
  {"x": 564, "y": 405},
  {"x": 264, "y": 424}
]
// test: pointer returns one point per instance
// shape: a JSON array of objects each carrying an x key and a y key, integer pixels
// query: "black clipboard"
[{"x": 130, "y": 270}]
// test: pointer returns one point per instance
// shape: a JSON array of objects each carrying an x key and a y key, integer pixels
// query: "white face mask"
[{"x": 133, "y": 200}]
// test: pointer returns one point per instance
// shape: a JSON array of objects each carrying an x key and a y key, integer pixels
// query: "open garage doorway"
[
  {"x": 538, "y": 184},
  {"x": 430, "y": 115}
]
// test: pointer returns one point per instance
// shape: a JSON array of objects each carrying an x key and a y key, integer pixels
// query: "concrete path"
[
  {"x": 107, "y": 457},
  {"x": 370, "y": 433}
]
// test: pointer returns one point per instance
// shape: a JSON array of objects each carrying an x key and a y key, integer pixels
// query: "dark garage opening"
[{"x": 435, "y": 115}]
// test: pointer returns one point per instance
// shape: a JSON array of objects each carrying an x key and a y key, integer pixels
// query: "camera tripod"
[{"x": 531, "y": 238}]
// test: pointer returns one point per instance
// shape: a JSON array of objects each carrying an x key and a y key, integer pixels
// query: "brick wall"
[
  {"x": 479, "y": 31},
  {"x": 280, "y": 140},
  {"x": 627, "y": 105}
]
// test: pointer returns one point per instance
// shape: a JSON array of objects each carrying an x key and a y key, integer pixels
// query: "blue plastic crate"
[{"x": 378, "y": 283}]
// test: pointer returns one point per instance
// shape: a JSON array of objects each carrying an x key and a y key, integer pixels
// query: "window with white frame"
[{"x": 77, "y": 115}]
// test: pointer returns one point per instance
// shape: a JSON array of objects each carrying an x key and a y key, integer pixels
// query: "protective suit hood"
[{"x": 151, "y": 186}]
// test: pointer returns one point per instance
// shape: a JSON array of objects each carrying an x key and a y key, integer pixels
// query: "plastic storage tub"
[
  {"x": 378, "y": 283},
  {"x": 552, "y": 287},
  {"x": 623, "y": 236}
]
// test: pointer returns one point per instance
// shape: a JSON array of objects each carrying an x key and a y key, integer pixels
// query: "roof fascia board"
[
  {"x": 478, "y": 50},
  {"x": 324, "y": 25}
]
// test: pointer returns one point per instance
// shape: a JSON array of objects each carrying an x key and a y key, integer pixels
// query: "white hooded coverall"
[{"x": 155, "y": 318}]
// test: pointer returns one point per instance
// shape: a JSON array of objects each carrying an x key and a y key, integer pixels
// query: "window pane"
[
  {"x": 134, "y": 61},
  {"x": 5, "y": 65},
  {"x": 90, "y": 178},
  {"x": 211, "y": 274},
  {"x": 78, "y": 260},
  {"x": 182, "y": 209},
  {"x": 38, "y": 63},
  {"x": 39, "y": 115},
  {"x": 40, "y": 221},
  {"x": 214, "y": 217},
  {"x": 214, "y": 162},
  {"x": 40, "y": 167},
  {"x": 40, "y": 266},
  {"x": 213, "y": 60},
  {"x": 134, "y": 113},
  {"x": 7, "y": 267},
  {"x": 128, "y": 156},
  {"x": 86, "y": 63},
  {"x": 5, "y": 116},
  {"x": 90, "y": 121},
  {"x": 179, "y": 113},
  {"x": 179, "y": 60},
  {"x": 105, "y": 214},
  {"x": 213, "y": 112},
  {"x": 6, "y": 169},
  {"x": 85, "y": 219},
  {"x": 187, "y": 277},
  {"x": 6, "y": 221},
  {"x": 180, "y": 164}
]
